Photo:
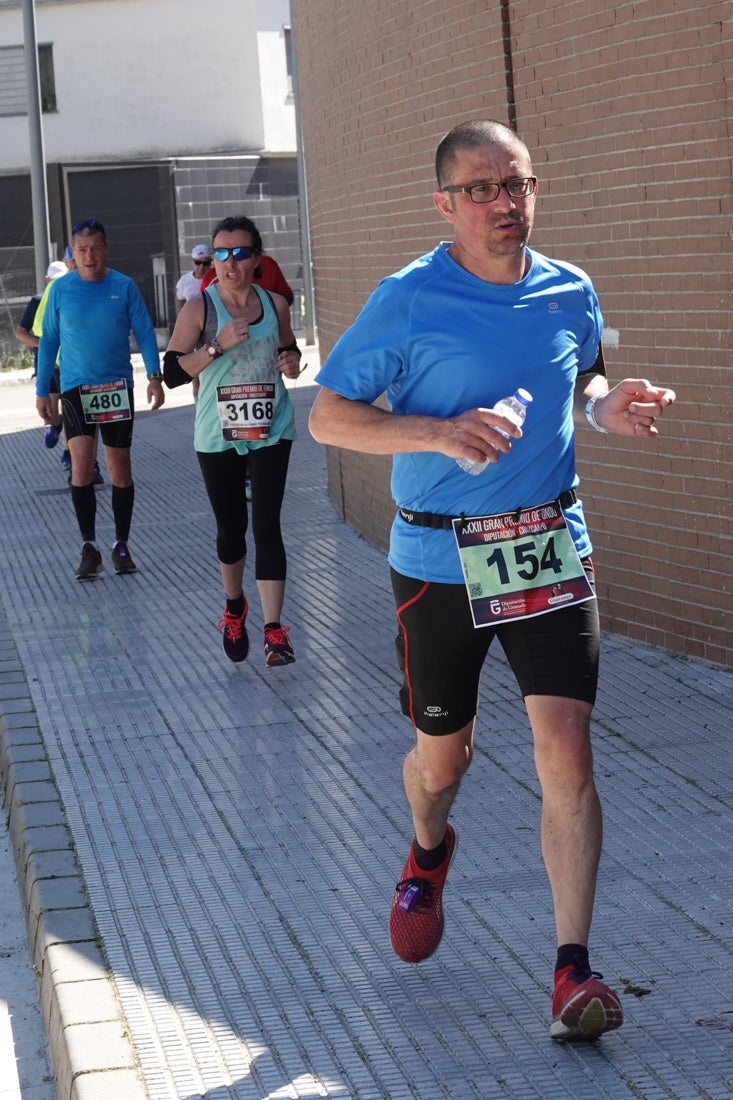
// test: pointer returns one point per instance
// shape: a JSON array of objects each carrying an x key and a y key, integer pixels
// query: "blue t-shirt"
[
  {"x": 439, "y": 341},
  {"x": 90, "y": 322}
]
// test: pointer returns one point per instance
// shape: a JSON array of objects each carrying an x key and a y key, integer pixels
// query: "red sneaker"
[
  {"x": 236, "y": 642},
  {"x": 416, "y": 920},
  {"x": 583, "y": 1007},
  {"x": 278, "y": 649}
]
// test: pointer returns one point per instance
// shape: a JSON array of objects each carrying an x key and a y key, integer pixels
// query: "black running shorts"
[
  {"x": 114, "y": 433},
  {"x": 441, "y": 654}
]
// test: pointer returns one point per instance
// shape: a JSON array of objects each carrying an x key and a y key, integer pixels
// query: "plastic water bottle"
[{"x": 514, "y": 408}]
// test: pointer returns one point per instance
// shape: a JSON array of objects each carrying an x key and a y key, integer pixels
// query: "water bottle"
[{"x": 514, "y": 408}]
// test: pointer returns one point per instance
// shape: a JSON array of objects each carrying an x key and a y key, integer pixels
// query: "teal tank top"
[{"x": 251, "y": 361}]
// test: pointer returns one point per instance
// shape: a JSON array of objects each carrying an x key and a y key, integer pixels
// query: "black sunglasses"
[
  {"x": 202, "y": 263},
  {"x": 91, "y": 224},
  {"x": 241, "y": 252}
]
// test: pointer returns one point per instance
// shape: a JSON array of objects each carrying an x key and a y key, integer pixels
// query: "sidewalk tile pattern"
[{"x": 239, "y": 829}]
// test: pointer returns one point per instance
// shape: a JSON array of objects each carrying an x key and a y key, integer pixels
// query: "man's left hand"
[
  {"x": 632, "y": 407},
  {"x": 156, "y": 394}
]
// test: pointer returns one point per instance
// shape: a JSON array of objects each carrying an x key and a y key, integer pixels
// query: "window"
[
  {"x": 13, "y": 91},
  {"x": 288, "y": 58},
  {"x": 46, "y": 78}
]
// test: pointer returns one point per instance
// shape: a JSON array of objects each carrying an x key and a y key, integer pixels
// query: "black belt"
[{"x": 445, "y": 523}]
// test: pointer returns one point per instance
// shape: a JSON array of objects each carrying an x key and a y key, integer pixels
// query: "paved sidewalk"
[
  {"x": 25, "y": 1072},
  {"x": 223, "y": 841}
]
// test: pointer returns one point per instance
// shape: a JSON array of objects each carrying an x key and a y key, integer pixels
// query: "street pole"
[
  {"x": 41, "y": 231},
  {"x": 305, "y": 236}
]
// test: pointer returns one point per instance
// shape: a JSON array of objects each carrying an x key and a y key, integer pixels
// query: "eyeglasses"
[
  {"x": 202, "y": 263},
  {"x": 91, "y": 224},
  {"x": 488, "y": 192},
  {"x": 241, "y": 252}
]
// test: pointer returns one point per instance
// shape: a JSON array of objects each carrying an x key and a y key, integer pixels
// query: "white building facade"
[{"x": 159, "y": 118}]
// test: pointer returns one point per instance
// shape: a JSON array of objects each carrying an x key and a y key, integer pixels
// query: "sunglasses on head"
[
  {"x": 92, "y": 224},
  {"x": 241, "y": 252}
]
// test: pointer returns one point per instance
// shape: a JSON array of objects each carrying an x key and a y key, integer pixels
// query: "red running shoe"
[
  {"x": 235, "y": 640},
  {"x": 416, "y": 920},
  {"x": 583, "y": 1007},
  {"x": 278, "y": 650}
]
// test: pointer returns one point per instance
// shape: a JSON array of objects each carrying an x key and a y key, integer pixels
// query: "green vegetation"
[{"x": 22, "y": 359}]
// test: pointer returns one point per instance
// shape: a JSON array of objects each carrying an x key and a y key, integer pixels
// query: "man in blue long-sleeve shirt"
[{"x": 87, "y": 324}]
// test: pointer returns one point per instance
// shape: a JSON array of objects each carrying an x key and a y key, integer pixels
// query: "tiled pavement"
[{"x": 223, "y": 841}]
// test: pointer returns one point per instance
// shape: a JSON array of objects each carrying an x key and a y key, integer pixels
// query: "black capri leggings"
[{"x": 224, "y": 474}]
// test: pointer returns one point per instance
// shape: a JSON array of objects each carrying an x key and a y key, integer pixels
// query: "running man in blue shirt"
[
  {"x": 445, "y": 339},
  {"x": 89, "y": 320}
]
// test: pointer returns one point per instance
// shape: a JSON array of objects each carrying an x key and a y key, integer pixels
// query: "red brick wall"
[{"x": 624, "y": 111}]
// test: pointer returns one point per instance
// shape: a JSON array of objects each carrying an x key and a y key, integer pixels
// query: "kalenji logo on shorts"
[{"x": 436, "y": 712}]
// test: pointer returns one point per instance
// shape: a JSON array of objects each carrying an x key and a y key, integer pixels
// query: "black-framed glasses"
[
  {"x": 239, "y": 253},
  {"x": 202, "y": 263},
  {"x": 91, "y": 224},
  {"x": 517, "y": 188}
]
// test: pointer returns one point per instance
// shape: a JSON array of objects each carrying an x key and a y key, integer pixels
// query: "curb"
[{"x": 91, "y": 1055}]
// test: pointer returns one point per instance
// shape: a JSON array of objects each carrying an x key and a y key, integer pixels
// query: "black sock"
[
  {"x": 236, "y": 606},
  {"x": 123, "y": 498},
  {"x": 85, "y": 506},
  {"x": 428, "y": 859},
  {"x": 572, "y": 954},
  {"x": 271, "y": 626}
]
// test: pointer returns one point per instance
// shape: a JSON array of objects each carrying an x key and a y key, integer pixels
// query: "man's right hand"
[
  {"x": 43, "y": 404},
  {"x": 475, "y": 435}
]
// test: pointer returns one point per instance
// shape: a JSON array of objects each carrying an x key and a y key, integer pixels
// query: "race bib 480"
[{"x": 105, "y": 402}]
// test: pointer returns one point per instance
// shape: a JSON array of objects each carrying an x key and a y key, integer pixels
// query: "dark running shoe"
[
  {"x": 583, "y": 1007},
  {"x": 97, "y": 476},
  {"x": 66, "y": 460},
  {"x": 278, "y": 650},
  {"x": 416, "y": 920},
  {"x": 235, "y": 640},
  {"x": 90, "y": 565},
  {"x": 52, "y": 435},
  {"x": 121, "y": 560}
]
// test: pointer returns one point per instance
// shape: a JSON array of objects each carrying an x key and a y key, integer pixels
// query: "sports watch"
[{"x": 214, "y": 348}]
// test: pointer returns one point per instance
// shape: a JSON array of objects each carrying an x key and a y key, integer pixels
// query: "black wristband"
[{"x": 291, "y": 347}]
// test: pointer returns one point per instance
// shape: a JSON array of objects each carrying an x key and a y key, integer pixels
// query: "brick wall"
[{"x": 624, "y": 111}]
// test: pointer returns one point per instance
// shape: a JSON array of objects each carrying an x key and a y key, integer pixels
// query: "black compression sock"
[
  {"x": 236, "y": 606},
  {"x": 85, "y": 506},
  {"x": 123, "y": 498},
  {"x": 572, "y": 954},
  {"x": 428, "y": 859}
]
